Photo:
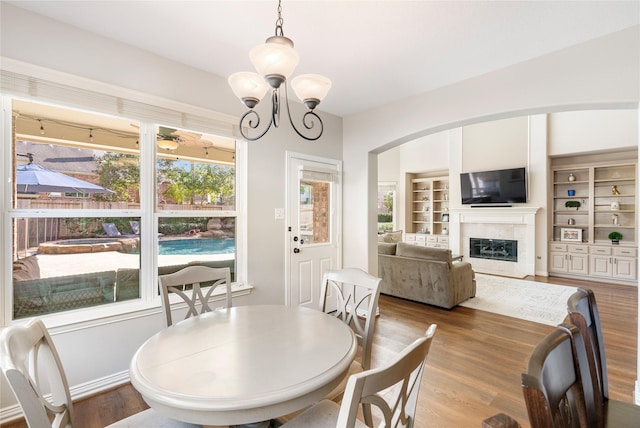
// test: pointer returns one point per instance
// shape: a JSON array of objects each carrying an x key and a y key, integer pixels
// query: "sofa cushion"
[
  {"x": 386, "y": 248},
  {"x": 415, "y": 251},
  {"x": 391, "y": 237}
]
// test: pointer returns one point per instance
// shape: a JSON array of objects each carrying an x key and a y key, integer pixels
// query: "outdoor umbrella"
[{"x": 32, "y": 178}]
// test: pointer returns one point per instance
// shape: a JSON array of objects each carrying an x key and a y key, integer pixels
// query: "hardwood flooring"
[{"x": 474, "y": 365}]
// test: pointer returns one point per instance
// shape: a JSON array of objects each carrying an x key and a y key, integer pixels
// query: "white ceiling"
[{"x": 375, "y": 52}]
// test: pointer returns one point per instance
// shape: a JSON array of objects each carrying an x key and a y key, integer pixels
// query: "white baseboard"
[
  {"x": 11, "y": 413},
  {"x": 636, "y": 395}
]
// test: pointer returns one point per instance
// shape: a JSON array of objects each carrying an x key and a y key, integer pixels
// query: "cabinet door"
[
  {"x": 557, "y": 261},
  {"x": 578, "y": 263},
  {"x": 600, "y": 265},
  {"x": 624, "y": 268}
]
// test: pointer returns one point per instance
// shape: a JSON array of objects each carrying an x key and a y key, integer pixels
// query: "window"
[
  {"x": 386, "y": 207},
  {"x": 92, "y": 203}
]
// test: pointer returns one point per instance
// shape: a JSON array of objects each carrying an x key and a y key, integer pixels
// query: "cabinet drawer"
[
  {"x": 578, "y": 249},
  {"x": 627, "y": 252},
  {"x": 420, "y": 238},
  {"x": 432, "y": 239},
  {"x": 443, "y": 239},
  {"x": 409, "y": 237},
  {"x": 558, "y": 247},
  {"x": 605, "y": 251}
]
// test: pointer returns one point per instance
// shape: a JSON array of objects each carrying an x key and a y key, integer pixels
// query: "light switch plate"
[{"x": 279, "y": 213}]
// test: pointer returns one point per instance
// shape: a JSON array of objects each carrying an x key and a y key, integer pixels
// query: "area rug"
[{"x": 532, "y": 301}]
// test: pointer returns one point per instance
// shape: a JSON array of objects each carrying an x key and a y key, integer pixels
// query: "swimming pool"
[{"x": 171, "y": 247}]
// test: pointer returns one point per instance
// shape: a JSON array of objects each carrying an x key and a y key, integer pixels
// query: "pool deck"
[{"x": 52, "y": 265}]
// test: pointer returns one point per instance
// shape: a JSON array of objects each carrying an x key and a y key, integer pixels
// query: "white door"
[{"x": 313, "y": 225}]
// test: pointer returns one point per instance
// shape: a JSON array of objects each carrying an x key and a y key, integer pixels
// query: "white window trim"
[{"x": 19, "y": 80}]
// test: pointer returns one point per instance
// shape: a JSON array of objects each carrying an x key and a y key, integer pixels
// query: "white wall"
[
  {"x": 507, "y": 137},
  {"x": 586, "y": 131},
  {"x": 46, "y": 43}
]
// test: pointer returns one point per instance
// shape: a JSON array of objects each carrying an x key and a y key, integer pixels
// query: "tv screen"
[{"x": 503, "y": 186}]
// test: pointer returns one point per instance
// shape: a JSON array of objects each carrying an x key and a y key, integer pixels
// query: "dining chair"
[
  {"x": 31, "y": 364},
  {"x": 196, "y": 278},
  {"x": 393, "y": 390},
  {"x": 554, "y": 384},
  {"x": 583, "y": 313},
  {"x": 351, "y": 295}
]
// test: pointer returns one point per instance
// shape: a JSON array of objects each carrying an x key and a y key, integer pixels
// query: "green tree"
[
  {"x": 388, "y": 202},
  {"x": 120, "y": 173},
  {"x": 197, "y": 180}
]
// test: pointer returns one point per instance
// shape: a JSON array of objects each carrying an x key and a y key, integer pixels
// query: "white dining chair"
[
  {"x": 196, "y": 278},
  {"x": 31, "y": 364},
  {"x": 392, "y": 389},
  {"x": 351, "y": 295}
]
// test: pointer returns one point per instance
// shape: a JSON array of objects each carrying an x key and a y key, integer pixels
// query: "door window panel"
[{"x": 315, "y": 211}]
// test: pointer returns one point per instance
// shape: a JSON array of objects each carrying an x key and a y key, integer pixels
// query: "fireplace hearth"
[{"x": 494, "y": 249}]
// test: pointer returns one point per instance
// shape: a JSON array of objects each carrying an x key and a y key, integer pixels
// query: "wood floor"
[{"x": 473, "y": 368}]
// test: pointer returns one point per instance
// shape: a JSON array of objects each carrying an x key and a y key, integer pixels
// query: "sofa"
[{"x": 424, "y": 274}]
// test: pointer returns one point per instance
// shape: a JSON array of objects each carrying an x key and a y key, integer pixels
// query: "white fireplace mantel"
[
  {"x": 464, "y": 219},
  {"x": 509, "y": 215}
]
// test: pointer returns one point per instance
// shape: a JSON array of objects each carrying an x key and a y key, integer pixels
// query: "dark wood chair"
[
  {"x": 583, "y": 313},
  {"x": 553, "y": 384}
]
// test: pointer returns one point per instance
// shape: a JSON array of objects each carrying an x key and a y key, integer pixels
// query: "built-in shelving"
[
  {"x": 428, "y": 206},
  {"x": 607, "y": 195}
]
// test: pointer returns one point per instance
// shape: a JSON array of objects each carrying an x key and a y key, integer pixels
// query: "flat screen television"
[{"x": 504, "y": 186}]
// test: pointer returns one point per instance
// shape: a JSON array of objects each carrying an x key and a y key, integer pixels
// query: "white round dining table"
[{"x": 243, "y": 364}]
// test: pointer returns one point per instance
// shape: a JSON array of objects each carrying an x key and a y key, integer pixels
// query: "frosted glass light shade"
[
  {"x": 311, "y": 87},
  {"x": 274, "y": 58},
  {"x": 168, "y": 144},
  {"x": 248, "y": 85}
]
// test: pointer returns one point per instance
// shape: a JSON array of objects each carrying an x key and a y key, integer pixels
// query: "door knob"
[{"x": 296, "y": 250}]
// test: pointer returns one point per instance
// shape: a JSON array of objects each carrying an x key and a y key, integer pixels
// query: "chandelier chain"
[{"x": 279, "y": 21}]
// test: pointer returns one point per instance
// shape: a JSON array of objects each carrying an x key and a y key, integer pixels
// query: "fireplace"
[
  {"x": 494, "y": 249},
  {"x": 496, "y": 224}
]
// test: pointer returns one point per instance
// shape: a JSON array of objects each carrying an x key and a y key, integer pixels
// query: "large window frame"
[{"x": 149, "y": 114}]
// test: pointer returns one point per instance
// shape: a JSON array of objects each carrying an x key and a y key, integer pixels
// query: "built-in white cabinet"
[
  {"x": 424, "y": 240},
  {"x": 594, "y": 261},
  {"x": 616, "y": 263},
  {"x": 572, "y": 259}
]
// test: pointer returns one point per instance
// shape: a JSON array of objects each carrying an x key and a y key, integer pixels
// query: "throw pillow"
[{"x": 393, "y": 237}]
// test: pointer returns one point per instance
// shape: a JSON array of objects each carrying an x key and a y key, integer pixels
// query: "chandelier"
[{"x": 275, "y": 61}]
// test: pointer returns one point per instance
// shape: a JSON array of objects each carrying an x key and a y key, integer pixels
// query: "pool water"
[{"x": 196, "y": 246}]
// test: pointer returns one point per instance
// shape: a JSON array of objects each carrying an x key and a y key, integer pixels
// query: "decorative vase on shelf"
[
  {"x": 572, "y": 177},
  {"x": 571, "y": 192},
  {"x": 571, "y": 222},
  {"x": 615, "y": 206}
]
